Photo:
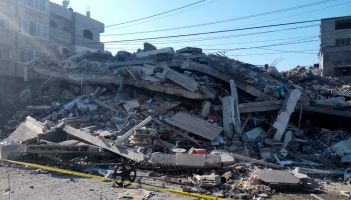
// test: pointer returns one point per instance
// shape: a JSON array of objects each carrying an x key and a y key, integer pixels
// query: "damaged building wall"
[{"x": 334, "y": 55}]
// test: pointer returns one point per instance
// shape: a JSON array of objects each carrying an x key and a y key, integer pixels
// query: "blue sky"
[{"x": 291, "y": 45}]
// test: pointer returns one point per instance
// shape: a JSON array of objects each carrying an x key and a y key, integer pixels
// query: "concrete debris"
[{"x": 183, "y": 111}]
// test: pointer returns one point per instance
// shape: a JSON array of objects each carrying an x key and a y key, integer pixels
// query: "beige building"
[
  {"x": 335, "y": 47},
  {"x": 28, "y": 28}
]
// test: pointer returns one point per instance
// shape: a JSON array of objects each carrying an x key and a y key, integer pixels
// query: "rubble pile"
[{"x": 223, "y": 121}]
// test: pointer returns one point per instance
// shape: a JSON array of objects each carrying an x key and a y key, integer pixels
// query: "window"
[
  {"x": 42, "y": 5},
  {"x": 342, "y": 24},
  {"x": 342, "y": 71},
  {"x": 4, "y": 54},
  {"x": 27, "y": 55},
  {"x": 342, "y": 41},
  {"x": 34, "y": 29},
  {"x": 88, "y": 34},
  {"x": 4, "y": 24}
]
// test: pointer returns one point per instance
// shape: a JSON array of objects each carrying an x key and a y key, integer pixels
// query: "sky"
[{"x": 266, "y": 34}]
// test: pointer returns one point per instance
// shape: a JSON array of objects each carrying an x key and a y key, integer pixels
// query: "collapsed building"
[{"x": 170, "y": 111}]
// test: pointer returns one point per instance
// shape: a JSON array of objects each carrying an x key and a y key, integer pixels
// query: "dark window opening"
[
  {"x": 64, "y": 52},
  {"x": 88, "y": 34},
  {"x": 343, "y": 71},
  {"x": 342, "y": 24},
  {"x": 53, "y": 24}
]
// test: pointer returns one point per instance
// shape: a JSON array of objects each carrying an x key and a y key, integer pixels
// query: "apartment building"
[
  {"x": 335, "y": 47},
  {"x": 31, "y": 28}
]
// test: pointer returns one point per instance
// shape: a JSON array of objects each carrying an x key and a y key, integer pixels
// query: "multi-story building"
[
  {"x": 30, "y": 28},
  {"x": 335, "y": 47}
]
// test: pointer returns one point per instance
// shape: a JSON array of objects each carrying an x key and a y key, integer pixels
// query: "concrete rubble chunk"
[
  {"x": 27, "y": 131},
  {"x": 167, "y": 50},
  {"x": 278, "y": 178},
  {"x": 189, "y": 50},
  {"x": 123, "y": 151},
  {"x": 283, "y": 118},
  {"x": 181, "y": 79}
]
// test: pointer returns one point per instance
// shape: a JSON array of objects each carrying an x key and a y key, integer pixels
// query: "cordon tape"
[{"x": 64, "y": 171}]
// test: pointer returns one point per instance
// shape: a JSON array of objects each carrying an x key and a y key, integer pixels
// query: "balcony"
[
  {"x": 59, "y": 34},
  {"x": 58, "y": 10}
]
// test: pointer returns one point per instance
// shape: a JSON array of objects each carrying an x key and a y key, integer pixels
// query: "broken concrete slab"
[
  {"x": 192, "y": 66},
  {"x": 126, "y": 135},
  {"x": 167, "y": 50},
  {"x": 76, "y": 57},
  {"x": 253, "y": 107},
  {"x": 283, "y": 117},
  {"x": 28, "y": 131},
  {"x": 189, "y": 50},
  {"x": 198, "y": 161},
  {"x": 253, "y": 134},
  {"x": 278, "y": 178},
  {"x": 235, "y": 108},
  {"x": 226, "y": 158},
  {"x": 181, "y": 79},
  {"x": 123, "y": 151},
  {"x": 194, "y": 125},
  {"x": 343, "y": 149},
  {"x": 37, "y": 149},
  {"x": 228, "y": 124}
]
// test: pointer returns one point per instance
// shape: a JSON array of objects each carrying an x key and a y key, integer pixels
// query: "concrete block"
[
  {"x": 160, "y": 158},
  {"x": 190, "y": 160},
  {"x": 226, "y": 158},
  {"x": 7, "y": 148},
  {"x": 209, "y": 180}
]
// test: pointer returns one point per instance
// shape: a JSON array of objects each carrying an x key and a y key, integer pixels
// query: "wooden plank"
[{"x": 194, "y": 125}]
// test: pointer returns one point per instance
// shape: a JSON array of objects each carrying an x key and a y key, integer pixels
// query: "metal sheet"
[{"x": 195, "y": 125}]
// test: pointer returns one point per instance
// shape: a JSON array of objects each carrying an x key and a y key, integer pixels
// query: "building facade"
[
  {"x": 31, "y": 28},
  {"x": 335, "y": 47}
]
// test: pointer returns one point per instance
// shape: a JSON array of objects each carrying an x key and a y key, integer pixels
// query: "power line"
[
  {"x": 231, "y": 43},
  {"x": 258, "y": 54},
  {"x": 212, "y": 32},
  {"x": 151, "y": 15},
  {"x": 209, "y": 38},
  {"x": 190, "y": 9},
  {"x": 228, "y": 20}
]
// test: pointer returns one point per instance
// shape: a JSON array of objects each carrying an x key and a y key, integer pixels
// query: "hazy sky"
[{"x": 292, "y": 45}]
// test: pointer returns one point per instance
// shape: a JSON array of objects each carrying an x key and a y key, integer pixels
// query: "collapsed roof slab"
[
  {"x": 106, "y": 79},
  {"x": 192, "y": 66}
]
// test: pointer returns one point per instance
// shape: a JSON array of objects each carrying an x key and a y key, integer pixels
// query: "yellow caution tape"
[{"x": 64, "y": 171}]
